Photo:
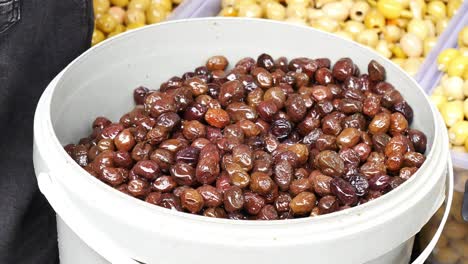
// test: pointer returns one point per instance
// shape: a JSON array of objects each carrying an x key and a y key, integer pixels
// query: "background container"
[
  {"x": 402, "y": 30},
  {"x": 118, "y": 226},
  {"x": 452, "y": 247}
]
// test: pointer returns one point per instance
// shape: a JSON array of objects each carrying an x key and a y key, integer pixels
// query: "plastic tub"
[{"x": 121, "y": 228}]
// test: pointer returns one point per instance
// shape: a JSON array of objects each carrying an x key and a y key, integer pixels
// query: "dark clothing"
[{"x": 38, "y": 38}]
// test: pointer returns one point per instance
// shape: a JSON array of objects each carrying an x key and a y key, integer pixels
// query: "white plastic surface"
[{"x": 100, "y": 82}]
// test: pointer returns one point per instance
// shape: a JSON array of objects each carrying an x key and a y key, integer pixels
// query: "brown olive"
[
  {"x": 261, "y": 183},
  {"x": 380, "y": 123},
  {"x": 330, "y": 163},
  {"x": 343, "y": 68},
  {"x": 191, "y": 200},
  {"x": 217, "y": 118},
  {"x": 328, "y": 204},
  {"x": 217, "y": 63},
  {"x": 348, "y": 138},
  {"x": 233, "y": 199},
  {"x": 376, "y": 71},
  {"x": 303, "y": 203}
]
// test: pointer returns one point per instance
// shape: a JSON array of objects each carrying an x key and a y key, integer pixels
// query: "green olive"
[
  {"x": 155, "y": 14},
  {"x": 98, "y": 36},
  {"x": 106, "y": 23}
]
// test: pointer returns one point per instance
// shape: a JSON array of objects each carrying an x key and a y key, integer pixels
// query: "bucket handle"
[
  {"x": 450, "y": 185},
  {"x": 92, "y": 236},
  {"x": 113, "y": 253}
]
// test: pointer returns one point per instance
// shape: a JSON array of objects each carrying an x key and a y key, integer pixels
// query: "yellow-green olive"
[
  {"x": 117, "y": 13},
  {"x": 452, "y": 112},
  {"x": 250, "y": 10},
  {"x": 463, "y": 37},
  {"x": 438, "y": 100},
  {"x": 155, "y": 15},
  {"x": 368, "y": 37},
  {"x": 411, "y": 45},
  {"x": 398, "y": 51},
  {"x": 430, "y": 28},
  {"x": 315, "y": 14},
  {"x": 120, "y": 3},
  {"x": 296, "y": 21},
  {"x": 139, "y": 4},
  {"x": 297, "y": 11},
  {"x": 417, "y": 8},
  {"x": 398, "y": 61},
  {"x": 418, "y": 27},
  {"x": 344, "y": 34},
  {"x": 347, "y": 3},
  {"x": 240, "y": 3},
  {"x": 390, "y": 9},
  {"x": 135, "y": 16},
  {"x": 453, "y": 88},
  {"x": 465, "y": 87},
  {"x": 353, "y": 27},
  {"x": 383, "y": 49},
  {"x": 465, "y": 108},
  {"x": 97, "y": 37},
  {"x": 404, "y": 3},
  {"x": 101, "y": 6},
  {"x": 164, "y": 4},
  {"x": 441, "y": 25},
  {"x": 300, "y": 2},
  {"x": 452, "y": 7},
  {"x": 227, "y": 3},
  {"x": 228, "y": 12},
  {"x": 437, "y": 9},
  {"x": 458, "y": 133},
  {"x": 276, "y": 11},
  {"x": 429, "y": 43},
  {"x": 374, "y": 20},
  {"x": 267, "y": 4},
  {"x": 118, "y": 29},
  {"x": 336, "y": 11},
  {"x": 457, "y": 66},
  {"x": 466, "y": 149},
  {"x": 326, "y": 24},
  {"x": 106, "y": 23},
  {"x": 392, "y": 33},
  {"x": 438, "y": 90},
  {"x": 445, "y": 57},
  {"x": 320, "y": 3},
  {"x": 135, "y": 25},
  {"x": 411, "y": 65},
  {"x": 359, "y": 11}
]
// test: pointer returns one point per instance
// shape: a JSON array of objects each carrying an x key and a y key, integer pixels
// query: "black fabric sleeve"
[{"x": 37, "y": 40}]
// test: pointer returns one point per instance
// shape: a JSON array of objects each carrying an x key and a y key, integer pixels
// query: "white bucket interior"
[{"x": 101, "y": 82}]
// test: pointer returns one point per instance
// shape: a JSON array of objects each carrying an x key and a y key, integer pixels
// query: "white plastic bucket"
[{"x": 121, "y": 228}]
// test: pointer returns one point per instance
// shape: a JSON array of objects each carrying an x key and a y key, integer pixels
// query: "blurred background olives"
[
  {"x": 451, "y": 95},
  {"x": 113, "y": 17},
  {"x": 401, "y": 30},
  {"x": 452, "y": 247}
]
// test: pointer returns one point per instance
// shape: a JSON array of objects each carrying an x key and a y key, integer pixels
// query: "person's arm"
[{"x": 37, "y": 40}]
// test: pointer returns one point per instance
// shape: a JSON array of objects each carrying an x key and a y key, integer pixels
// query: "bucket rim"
[{"x": 68, "y": 164}]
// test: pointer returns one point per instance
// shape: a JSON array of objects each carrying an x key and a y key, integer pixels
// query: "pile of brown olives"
[{"x": 266, "y": 139}]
